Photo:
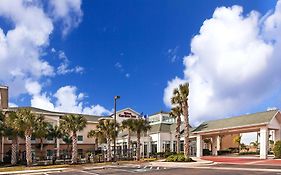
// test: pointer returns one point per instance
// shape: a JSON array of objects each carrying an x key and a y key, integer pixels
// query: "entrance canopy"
[{"x": 258, "y": 122}]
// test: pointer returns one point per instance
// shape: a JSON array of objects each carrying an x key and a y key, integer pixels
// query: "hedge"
[
  {"x": 178, "y": 158},
  {"x": 277, "y": 149}
]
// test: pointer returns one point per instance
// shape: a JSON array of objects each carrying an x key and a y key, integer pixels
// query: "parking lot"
[{"x": 154, "y": 170}]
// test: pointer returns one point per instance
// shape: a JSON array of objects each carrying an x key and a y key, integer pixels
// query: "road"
[{"x": 149, "y": 170}]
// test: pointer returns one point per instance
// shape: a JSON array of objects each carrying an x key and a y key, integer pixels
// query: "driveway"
[{"x": 243, "y": 160}]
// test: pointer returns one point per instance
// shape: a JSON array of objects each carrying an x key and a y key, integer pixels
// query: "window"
[
  {"x": 153, "y": 147},
  {"x": 32, "y": 137},
  {"x": 49, "y": 153},
  {"x": 80, "y": 138},
  {"x": 49, "y": 138},
  {"x": 9, "y": 137},
  {"x": 80, "y": 152},
  {"x": 182, "y": 145},
  {"x": 174, "y": 146},
  {"x": 166, "y": 146}
]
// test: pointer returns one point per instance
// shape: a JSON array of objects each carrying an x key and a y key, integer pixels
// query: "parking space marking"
[{"x": 90, "y": 172}]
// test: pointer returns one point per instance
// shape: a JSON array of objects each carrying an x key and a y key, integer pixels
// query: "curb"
[{"x": 33, "y": 171}]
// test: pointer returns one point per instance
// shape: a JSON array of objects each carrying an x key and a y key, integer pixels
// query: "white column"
[
  {"x": 263, "y": 142},
  {"x": 214, "y": 146},
  {"x": 218, "y": 143},
  {"x": 277, "y": 135},
  {"x": 199, "y": 146},
  {"x": 148, "y": 148},
  {"x": 171, "y": 145},
  {"x": 159, "y": 144}
]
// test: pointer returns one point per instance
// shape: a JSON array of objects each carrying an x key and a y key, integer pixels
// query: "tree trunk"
[
  {"x": 41, "y": 149},
  {"x": 96, "y": 144},
  {"x": 186, "y": 129},
  {"x": 178, "y": 134},
  {"x": 108, "y": 149},
  {"x": 14, "y": 151},
  {"x": 28, "y": 149},
  {"x": 74, "y": 149},
  {"x": 138, "y": 146},
  {"x": 129, "y": 151}
]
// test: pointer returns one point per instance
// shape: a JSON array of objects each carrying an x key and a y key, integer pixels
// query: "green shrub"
[
  {"x": 223, "y": 152},
  {"x": 277, "y": 149},
  {"x": 178, "y": 158},
  {"x": 206, "y": 152},
  {"x": 167, "y": 154},
  {"x": 249, "y": 153}
]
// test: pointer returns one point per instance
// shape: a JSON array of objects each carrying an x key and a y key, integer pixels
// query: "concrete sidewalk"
[
  {"x": 34, "y": 171},
  {"x": 199, "y": 162}
]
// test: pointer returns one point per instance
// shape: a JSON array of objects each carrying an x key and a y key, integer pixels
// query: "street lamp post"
[{"x": 115, "y": 133}]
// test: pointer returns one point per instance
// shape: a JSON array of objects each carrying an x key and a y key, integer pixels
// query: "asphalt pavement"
[{"x": 151, "y": 170}]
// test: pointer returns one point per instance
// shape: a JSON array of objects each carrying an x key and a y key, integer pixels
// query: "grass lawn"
[{"x": 22, "y": 168}]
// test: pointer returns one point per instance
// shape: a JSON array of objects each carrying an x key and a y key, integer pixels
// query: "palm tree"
[
  {"x": 55, "y": 133},
  {"x": 26, "y": 121},
  {"x": 128, "y": 124},
  {"x": 237, "y": 140},
  {"x": 41, "y": 132},
  {"x": 176, "y": 113},
  {"x": 8, "y": 131},
  {"x": 140, "y": 126},
  {"x": 72, "y": 124},
  {"x": 180, "y": 97},
  {"x": 106, "y": 126},
  {"x": 68, "y": 140},
  {"x": 98, "y": 135}
]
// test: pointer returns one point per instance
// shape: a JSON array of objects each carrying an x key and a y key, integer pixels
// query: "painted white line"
[
  {"x": 126, "y": 171},
  {"x": 151, "y": 167},
  {"x": 89, "y": 172},
  {"x": 145, "y": 167}
]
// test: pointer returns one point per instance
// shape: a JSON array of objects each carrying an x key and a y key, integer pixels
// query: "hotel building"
[{"x": 161, "y": 136}]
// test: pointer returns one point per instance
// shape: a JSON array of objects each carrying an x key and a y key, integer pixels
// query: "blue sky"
[{"x": 106, "y": 48}]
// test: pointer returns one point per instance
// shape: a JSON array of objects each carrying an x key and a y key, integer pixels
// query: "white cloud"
[
  {"x": 12, "y": 104},
  {"x": 68, "y": 12},
  {"x": 21, "y": 46},
  {"x": 33, "y": 87},
  {"x": 64, "y": 66},
  {"x": 168, "y": 91},
  {"x": 233, "y": 64},
  {"x": 119, "y": 67},
  {"x": 66, "y": 100},
  {"x": 96, "y": 110},
  {"x": 271, "y": 108},
  {"x": 172, "y": 54}
]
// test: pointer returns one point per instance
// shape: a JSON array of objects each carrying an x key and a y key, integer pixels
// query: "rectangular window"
[
  {"x": 49, "y": 152},
  {"x": 182, "y": 145},
  {"x": 80, "y": 138},
  {"x": 49, "y": 138},
  {"x": 175, "y": 146},
  {"x": 80, "y": 152},
  {"x": 153, "y": 147},
  {"x": 32, "y": 137}
]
